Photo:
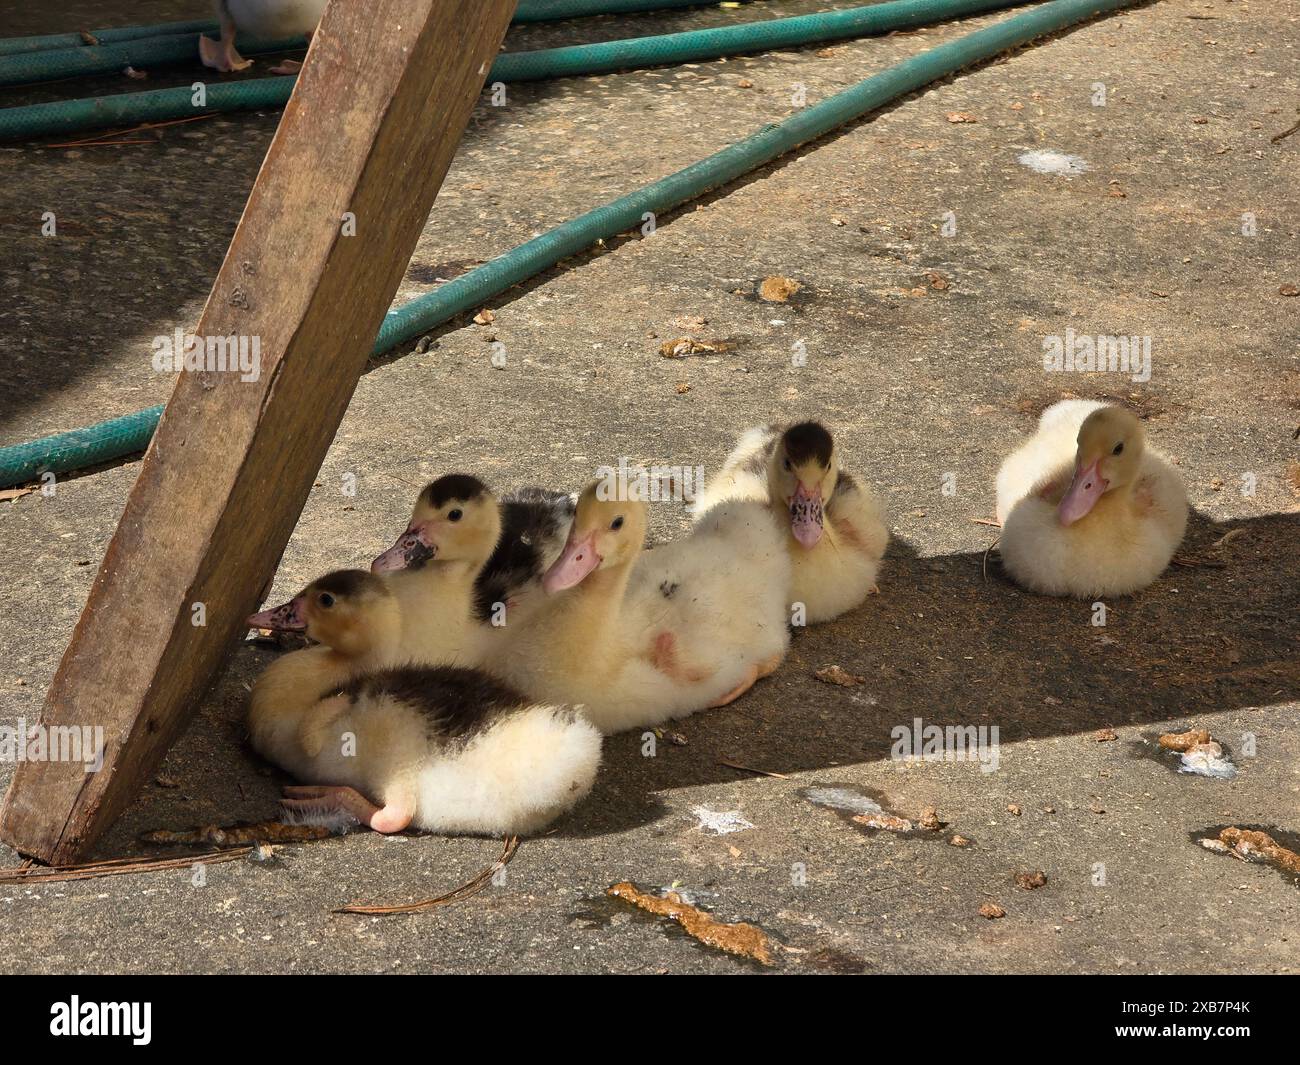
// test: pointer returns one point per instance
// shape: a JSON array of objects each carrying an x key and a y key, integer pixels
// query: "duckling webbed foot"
[
  {"x": 739, "y": 689},
  {"x": 770, "y": 666},
  {"x": 330, "y": 805}
]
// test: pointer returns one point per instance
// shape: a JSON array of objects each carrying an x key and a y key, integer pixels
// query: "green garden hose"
[
  {"x": 162, "y": 105},
  {"x": 130, "y": 434},
  {"x": 28, "y": 67},
  {"x": 528, "y": 11},
  {"x": 14, "y": 45}
]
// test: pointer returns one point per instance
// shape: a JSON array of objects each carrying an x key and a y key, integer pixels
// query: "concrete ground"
[{"x": 924, "y": 353}]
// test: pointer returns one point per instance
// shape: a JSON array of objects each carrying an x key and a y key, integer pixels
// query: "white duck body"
[
  {"x": 647, "y": 637},
  {"x": 273, "y": 20},
  {"x": 835, "y": 546},
  {"x": 1080, "y": 519},
  {"x": 440, "y": 748},
  {"x": 458, "y": 750}
]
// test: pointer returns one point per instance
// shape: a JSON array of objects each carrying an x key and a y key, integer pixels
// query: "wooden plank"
[{"x": 371, "y": 129}]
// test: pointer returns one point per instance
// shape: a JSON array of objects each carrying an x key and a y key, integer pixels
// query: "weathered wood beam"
[{"x": 369, "y": 133}]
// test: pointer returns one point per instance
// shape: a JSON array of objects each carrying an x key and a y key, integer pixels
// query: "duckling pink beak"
[
  {"x": 291, "y": 617},
  {"x": 806, "y": 515},
  {"x": 578, "y": 558},
  {"x": 1087, "y": 487},
  {"x": 413, "y": 549}
]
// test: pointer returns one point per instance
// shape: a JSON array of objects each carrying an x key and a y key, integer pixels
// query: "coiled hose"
[
  {"x": 161, "y": 105},
  {"x": 130, "y": 434}
]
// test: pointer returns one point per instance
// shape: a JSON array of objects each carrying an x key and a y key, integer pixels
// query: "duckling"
[
  {"x": 442, "y": 749},
  {"x": 467, "y": 562},
  {"x": 1087, "y": 509},
  {"x": 434, "y": 567},
  {"x": 638, "y": 638},
  {"x": 837, "y": 532},
  {"x": 266, "y": 19}
]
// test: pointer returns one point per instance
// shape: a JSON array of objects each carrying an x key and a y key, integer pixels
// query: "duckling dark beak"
[
  {"x": 806, "y": 515},
  {"x": 578, "y": 558},
  {"x": 291, "y": 617},
  {"x": 413, "y": 549},
  {"x": 1087, "y": 487}
]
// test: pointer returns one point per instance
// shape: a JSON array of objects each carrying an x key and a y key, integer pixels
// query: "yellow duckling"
[
  {"x": 468, "y": 563},
  {"x": 438, "y": 748},
  {"x": 1087, "y": 509},
  {"x": 638, "y": 638},
  {"x": 837, "y": 532}
]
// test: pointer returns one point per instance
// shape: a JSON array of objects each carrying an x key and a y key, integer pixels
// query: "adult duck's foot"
[
  {"x": 317, "y": 803},
  {"x": 739, "y": 689},
  {"x": 287, "y": 66},
  {"x": 221, "y": 55}
]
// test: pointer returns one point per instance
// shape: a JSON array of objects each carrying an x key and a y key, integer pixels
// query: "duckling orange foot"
[
  {"x": 739, "y": 689},
  {"x": 329, "y": 805},
  {"x": 288, "y": 66},
  {"x": 770, "y": 666}
]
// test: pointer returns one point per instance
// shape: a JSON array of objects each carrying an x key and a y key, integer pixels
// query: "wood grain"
[{"x": 375, "y": 118}]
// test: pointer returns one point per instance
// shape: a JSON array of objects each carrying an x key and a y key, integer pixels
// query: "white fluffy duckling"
[
  {"x": 1087, "y": 509},
  {"x": 636, "y": 638},
  {"x": 467, "y": 564},
  {"x": 837, "y": 532},
  {"x": 269, "y": 20},
  {"x": 438, "y": 748}
]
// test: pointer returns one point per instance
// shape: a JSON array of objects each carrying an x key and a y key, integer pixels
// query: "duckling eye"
[
  {"x": 455, "y": 515},
  {"x": 326, "y": 600},
  {"x": 1118, "y": 448},
  {"x": 617, "y": 523},
  {"x": 786, "y": 464}
]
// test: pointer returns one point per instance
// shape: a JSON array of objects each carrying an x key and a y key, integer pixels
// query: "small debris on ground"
[
  {"x": 1030, "y": 881},
  {"x": 888, "y": 822},
  {"x": 720, "y": 822},
  {"x": 485, "y": 317},
  {"x": 1206, "y": 760},
  {"x": 958, "y": 841},
  {"x": 239, "y": 835},
  {"x": 992, "y": 911},
  {"x": 1184, "y": 741},
  {"x": 1105, "y": 735},
  {"x": 929, "y": 820},
  {"x": 742, "y": 939},
  {"x": 840, "y": 676},
  {"x": 1013, "y": 809},
  {"x": 1200, "y": 753},
  {"x": 681, "y": 347},
  {"x": 1249, "y": 844},
  {"x": 956, "y": 117},
  {"x": 778, "y": 289},
  {"x": 1047, "y": 161}
]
